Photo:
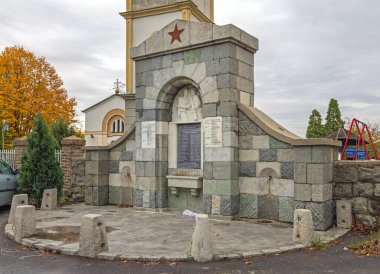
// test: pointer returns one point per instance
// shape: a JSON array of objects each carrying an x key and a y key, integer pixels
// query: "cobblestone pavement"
[
  {"x": 17, "y": 259},
  {"x": 151, "y": 236}
]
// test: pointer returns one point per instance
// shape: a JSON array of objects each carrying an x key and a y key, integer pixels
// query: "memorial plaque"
[
  {"x": 213, "y": 131},
  {"x": 189, "y": 146},
  {"x": 148, "y": 134}
]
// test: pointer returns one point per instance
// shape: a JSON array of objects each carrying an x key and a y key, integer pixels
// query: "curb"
[{"x": 168, "y": 258}]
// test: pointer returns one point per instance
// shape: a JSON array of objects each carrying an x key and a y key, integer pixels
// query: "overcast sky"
[{"x": 310, "y": 51}]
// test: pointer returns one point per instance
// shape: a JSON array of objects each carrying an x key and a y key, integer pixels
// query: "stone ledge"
[
  {"x": 185, "y": 181},
  {"x": 317, "y": 142}
]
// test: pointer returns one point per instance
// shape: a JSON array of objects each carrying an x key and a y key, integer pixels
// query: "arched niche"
[{"x": 185, "y": 131}]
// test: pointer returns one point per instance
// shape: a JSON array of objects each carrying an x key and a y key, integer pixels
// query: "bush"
[{"x": 40, "y": 168}]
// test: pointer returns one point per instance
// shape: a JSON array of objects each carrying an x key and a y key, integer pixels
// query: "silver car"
[{"x": 8, "y": 183}]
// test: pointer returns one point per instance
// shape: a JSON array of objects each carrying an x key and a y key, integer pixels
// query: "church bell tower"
[{"x": 144, "y": 17}]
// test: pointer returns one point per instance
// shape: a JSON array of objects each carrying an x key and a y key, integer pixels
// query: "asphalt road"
[{"x": 17, "y": 259}]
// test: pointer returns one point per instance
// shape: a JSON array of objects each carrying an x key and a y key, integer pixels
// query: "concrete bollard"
[
  {"x": 18, "y": 200},
  {"x": 303, "y": 227},
  {"x": 49, "y": 199},
  {"x": 93, "y": 237},
  {"x": 24, "y": 222},
  {"x": 344, "y": 213},
  {"x": 201, "y": 244}
]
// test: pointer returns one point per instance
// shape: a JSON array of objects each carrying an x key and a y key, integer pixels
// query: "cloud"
[{"x": 310, "y": 51}]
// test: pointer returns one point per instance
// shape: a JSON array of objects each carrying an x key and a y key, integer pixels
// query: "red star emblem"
[{"x": 176, "y": 34}]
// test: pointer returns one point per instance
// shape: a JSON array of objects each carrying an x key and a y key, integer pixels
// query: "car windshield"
[{"x": 4, "y": 168}]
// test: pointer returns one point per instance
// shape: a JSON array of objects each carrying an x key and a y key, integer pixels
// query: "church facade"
[{"x": 199, "y": 143}]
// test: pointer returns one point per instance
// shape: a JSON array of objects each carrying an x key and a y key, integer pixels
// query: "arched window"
[{"x": 118, "y": 126}]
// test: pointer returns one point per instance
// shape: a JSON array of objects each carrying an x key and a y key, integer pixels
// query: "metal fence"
[{"x": 9, "y": 156}]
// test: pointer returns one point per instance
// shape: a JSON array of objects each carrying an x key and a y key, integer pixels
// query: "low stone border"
[{"x": 169, "y": 258}]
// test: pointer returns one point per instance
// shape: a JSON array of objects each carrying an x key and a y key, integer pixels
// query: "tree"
[
  {"x": 40, "y": 168},
  {"x": 30, "y": 85},
  {"x": 59, "y": 130},
  {"x": 315, "y": 128},
  {"x": 333, "y": 119}
]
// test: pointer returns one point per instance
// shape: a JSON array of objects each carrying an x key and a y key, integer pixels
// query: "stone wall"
[
  {"x": 77, "y": 191},
  {"x": 359, "y": 181},
  {"x": 266, "y": 174}
]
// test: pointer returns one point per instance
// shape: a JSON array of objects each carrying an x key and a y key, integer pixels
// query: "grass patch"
[
  {"x": 317, "y": 244},
  {"x": 369, "y": 247}
]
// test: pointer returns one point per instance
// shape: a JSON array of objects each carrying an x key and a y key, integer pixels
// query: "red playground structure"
[{"x": 361, "y": 130}]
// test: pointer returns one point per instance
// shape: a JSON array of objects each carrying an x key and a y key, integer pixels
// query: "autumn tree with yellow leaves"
[{"x": 30, "y": 85}]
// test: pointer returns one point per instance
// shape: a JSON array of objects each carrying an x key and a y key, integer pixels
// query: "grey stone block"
[
  {"x": 228, "y": 95},
  {"x": 126, "y": 156},
  {"x": 360, "y": 205},
  {"x": 275, "y": 144},
  {"x": 346, "y": 174},
  {"x": 247, "y": 169},
  {"x": 302, "y": 192},
  {"x": 161, "y": 169},
  {"x": 226, "y": 81},
  {"x": 323, "y": 214},
  {"x": 268, "y": 155},
  {"x": 268, "y": 207},
  {"x": 363, "y": 189},
  {"x": 139, "y": 198},
  {"x": 192, "y": 56},
  {"x": 286, "y": 209},
  {"x": 207, "y": 171},
  {"x": 319, "y": 173},
  {"x": 302, "y": 154},
  {"x": 321, "y": 154},
  {"x": 249, "y": 128},
  {"x": 227, "y": 109},
  {"x": 343, "y": 190},
  {"x": 162, "y": 199},
  {"x": 300, "y": 173},
  {"x": 287, "y": 170},
  {"x": 321, "y": 193},
  {"x": 17, "y": 200},
  {"x": 149, "y": 199},
  {"x": 88, "y": 195},
  {"x": 207, "y": 201},
  {"x": 225, "y": 170},
  {"x": 207, "y": 53},
  {"x": 248, "y": 206},
  {"x": 178, "y": 56},
  {"x": 224, "y": 50},
  {"x": 113, "y": 167},
  {"x": 209, "y": 110},
  {"x": 229, "y": 205},
  {"x": 100, "y": 196},
  {"x": 246, "y": 142},
  {"x": 114, "y": 195},
  {"x": 24, "y": 222}
]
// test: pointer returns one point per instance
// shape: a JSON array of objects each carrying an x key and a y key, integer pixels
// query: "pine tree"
[
  {"x": 333, "y": 119},
  {"x": 59, "y": 130},
  {"x": 315, "y": 128},
  {"x": 40, "y": 168}
]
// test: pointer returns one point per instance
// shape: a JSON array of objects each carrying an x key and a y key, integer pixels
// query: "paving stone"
[
  {"x": 323, "y": 214},
  {"x": 287, "y": 170},
  {"x": 268, "y": 207},
  {"x": 247, "y": 169},
  {"x": 286, "y": 209},
  {"x": 268, "y": 155},
  {"x": 248, "y": 206}
]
